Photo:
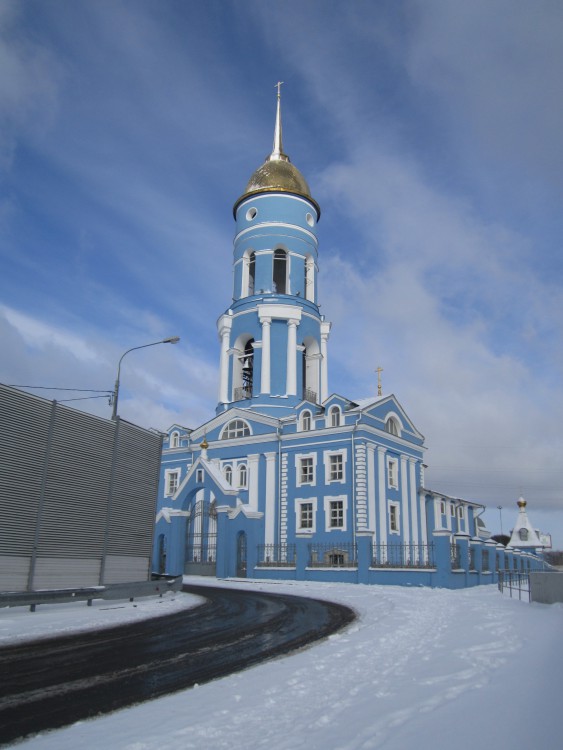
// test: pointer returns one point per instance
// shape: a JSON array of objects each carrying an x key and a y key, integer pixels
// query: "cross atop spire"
[{"x": 277, "y": 151}]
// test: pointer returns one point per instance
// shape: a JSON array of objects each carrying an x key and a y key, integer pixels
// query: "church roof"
[{"x": 278, "y": 174}]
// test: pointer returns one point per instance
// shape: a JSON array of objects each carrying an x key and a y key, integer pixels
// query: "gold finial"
[
  {"x": 521, "y": 503},
  {"x": 379, "y": 370},
  {"x": 204, "y": 444}
]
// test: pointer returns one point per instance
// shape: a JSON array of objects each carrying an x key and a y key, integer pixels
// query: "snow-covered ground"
[{"x": 419, "y": 668}]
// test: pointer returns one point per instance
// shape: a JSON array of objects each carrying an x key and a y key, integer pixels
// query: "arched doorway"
[
  {"x": 241, "y": 555},
  {"x": 201, "y": 540}
]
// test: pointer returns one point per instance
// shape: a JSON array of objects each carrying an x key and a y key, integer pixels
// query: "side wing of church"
[{"x": 288, "y": 480}]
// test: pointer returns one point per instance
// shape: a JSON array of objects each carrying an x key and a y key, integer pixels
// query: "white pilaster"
[
  {"x": 371, "y": 488},
  {"x": 270, "y": 509},
  {"x": 405, "y": 501},
  {"x": 266, "y": 357},
  {"x": 291, "y": 378},
  {"x": 325, "y": 331},
  {"x": 413, "y": 496},
  {"x": 423, "y": 522},
  {"x": 253, "y": 463},
  {"x": 382, "y": 495}
]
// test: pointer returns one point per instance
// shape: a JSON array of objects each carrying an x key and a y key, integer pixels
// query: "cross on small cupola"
[{"x": 379, "y": 370}]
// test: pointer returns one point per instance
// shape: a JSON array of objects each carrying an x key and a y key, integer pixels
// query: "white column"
[
  {"x": 270, "y": 510},
  {"x": 325, "y": 330},
  {"x": 291, "y": 376},
  {"x": 382, "y": 495},
  {"x": 266, "y": 356},
  {"x": 413, "y": 495},
  {"x": 224, "y": 326},
  {"x": 405, "y": 501},
  {"x": 371, "y": 488},
  {"x": 253, "y": 462}
]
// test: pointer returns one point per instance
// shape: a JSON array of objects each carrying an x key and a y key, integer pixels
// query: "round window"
[
  {"x": 251, "y": 214},
  {"x": 310, "y": 220}
]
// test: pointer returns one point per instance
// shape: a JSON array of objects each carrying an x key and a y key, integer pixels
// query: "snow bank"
[{"x": 420, "y": 668}]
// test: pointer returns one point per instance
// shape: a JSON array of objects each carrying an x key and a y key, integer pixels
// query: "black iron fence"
[
  {"x": 333, "y": 555},
  {"x": 403, "y": 556},
  {"x": 276, "y": 555}
]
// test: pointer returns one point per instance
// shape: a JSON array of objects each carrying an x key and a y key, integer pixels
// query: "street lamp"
[
  {"x": 499, "y": 508},
  {"x": 170, "y": 340}
]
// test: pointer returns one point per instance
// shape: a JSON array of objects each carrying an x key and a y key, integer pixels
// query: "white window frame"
[
  {"x": 241, "y": 430},
  {"x": 326, "y": 460},
  {"x": 393, "y": 473},
  {"x": 298, "y": 458},
  {"x": 199, "y": 476},
  {"x": 242, "y": 467},
  {"x": 299, "y": 502},
  {"x": 304, "y": 414},
  {"x": 168, "y": 476},
  {"x": 397, "y": 507},
  {"x": 330, "y": 416},
  {"x": 328, "y": 499},
  {"x": 396, "y": 421},
  {"x": 175, "y": 439},
  {"x": 442, "y": 508},
  {"x": 228, "y": 474}
]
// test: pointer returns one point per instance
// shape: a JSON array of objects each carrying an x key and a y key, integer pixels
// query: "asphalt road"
[{"x": 58, "y": 681}]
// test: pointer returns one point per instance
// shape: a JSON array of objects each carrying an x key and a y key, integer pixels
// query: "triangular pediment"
[{"x": 380, "y": 408}]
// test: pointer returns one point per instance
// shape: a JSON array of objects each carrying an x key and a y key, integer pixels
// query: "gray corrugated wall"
[{"x": 83, "y": 487}]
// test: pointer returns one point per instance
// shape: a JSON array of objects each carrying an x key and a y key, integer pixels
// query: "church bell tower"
[{"x": 273, "y": 337}]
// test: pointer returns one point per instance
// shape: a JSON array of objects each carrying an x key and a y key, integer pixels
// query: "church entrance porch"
[{"x": 201, "y": 541}]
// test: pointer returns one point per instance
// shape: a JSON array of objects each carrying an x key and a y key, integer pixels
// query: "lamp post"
[
  {"x": 170, "y": 340},
  {"x": 499, "y": 508}
]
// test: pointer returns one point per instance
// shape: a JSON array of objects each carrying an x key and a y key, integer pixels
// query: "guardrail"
[
  {"x": 514, "y": 581},
  {"x": 129, "y": 591}
]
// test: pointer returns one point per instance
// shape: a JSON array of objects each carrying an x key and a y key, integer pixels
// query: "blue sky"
[{"x": 430, "y": 134}]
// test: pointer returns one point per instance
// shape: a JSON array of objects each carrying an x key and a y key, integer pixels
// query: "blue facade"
[{"x": 287, "y": 481}]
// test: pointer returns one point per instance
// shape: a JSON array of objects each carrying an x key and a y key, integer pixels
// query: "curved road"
[{"x": 58, "y": 681}]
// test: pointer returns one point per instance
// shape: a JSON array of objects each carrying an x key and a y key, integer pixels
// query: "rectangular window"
[
  {"x": 393, "y": 473},
  {"x": 452, "y": 510},
  {"x": 172, "y": 481},
  {"x": 306, "y": 516},
  {"x": 306, "y": 471},
  {"x": 394, "y": 518},
  {"x": 336, "y": 468},
  {"x": 443, "y": 508},
  {"x": 336, "y": 514}
]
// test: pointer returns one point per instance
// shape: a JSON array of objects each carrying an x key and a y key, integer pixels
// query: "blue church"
[{"x": 288, "y": 480}]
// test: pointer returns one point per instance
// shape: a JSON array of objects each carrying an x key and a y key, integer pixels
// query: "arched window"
[
  {"x": 280, "y": 272},
  {"x": 228, "y": 474},
  {"x": 334, "y": 416},
  {"x": 235, "y": 429},
  {"x": 242, "y": 475},
  {"x": 251, "y": 272},
  {"x": 306, "y": 421},
  {"x": 310, "y": 278},
  {"x": 391, "y": 426},
  {"x": 175, "y": 440}
]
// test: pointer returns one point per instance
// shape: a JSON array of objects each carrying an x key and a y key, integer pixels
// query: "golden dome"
[{"x": 277, "y": 175}]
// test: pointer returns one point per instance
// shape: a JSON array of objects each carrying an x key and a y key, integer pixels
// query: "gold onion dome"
[{"x": 278, "y": 174}]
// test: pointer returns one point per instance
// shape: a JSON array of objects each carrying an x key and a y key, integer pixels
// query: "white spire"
[{"x": 277, "y": 150}]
